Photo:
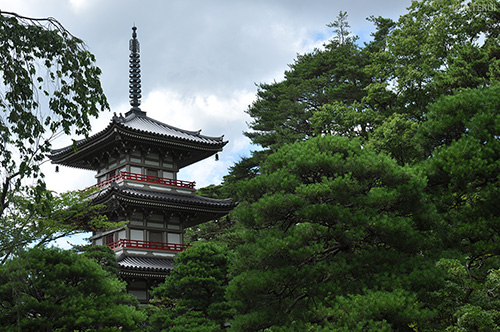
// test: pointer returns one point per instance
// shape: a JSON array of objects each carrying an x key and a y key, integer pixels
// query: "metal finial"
[
  {"x": 134, "y": 43},
  {"x": 134, "y": 72}
]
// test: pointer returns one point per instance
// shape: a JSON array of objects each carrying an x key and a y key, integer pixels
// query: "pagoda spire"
[{"x": 135, "y": 75}]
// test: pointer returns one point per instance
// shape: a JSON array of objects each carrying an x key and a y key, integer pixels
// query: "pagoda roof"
[
  {"x": 205, "y": 208},
  {"x": 139, "y": 128},
  {"x": 146, "y": 263},
  {"x": 145, "y": 125}
]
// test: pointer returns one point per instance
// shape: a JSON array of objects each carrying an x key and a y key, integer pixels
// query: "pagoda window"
[
  {"x": 156, "y": 217},
  {"x": 123, "y": 158},
  {"x": 152, "y": 159},
  {"x": 174, "y": 238},
  {"x": 151, "y": 162},
  {"x": 138, "y": 289},
  {"x": 174, "y": 223},
  {"x": 98, "y": 242},
  {"x": 136, "y": 157},
  {"x": 155, "y": 224},
  {"x": 135, "y": 169},
  {"x": 168, "y": 162},
  {"x": 168, "y": 175},
  {"x": 155, "y": 236},
  {"x": 155, "y": 220},
  {"x": 121, "y": 235},
  {"x": 152, "y": 172},
  {"x": 111, "y": 174},
  {"x": 137, "y": 216},
  {"x": 137, "y": 222},
  {"x": 110, "y": 238},
  {"x": 154, "y": 156},
  {"x": 137, "y": 219},
  {"x": 137, "y": 234}
]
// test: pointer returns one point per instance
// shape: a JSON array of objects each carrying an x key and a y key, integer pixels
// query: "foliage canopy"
[
  {"x": 49, "y": 84},
  {"x": 377, "y": 185},
  {"x": 52, "y": 289}
]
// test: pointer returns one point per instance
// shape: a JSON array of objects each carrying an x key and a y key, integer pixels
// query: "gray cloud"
[{"x": 203, "y": 57}]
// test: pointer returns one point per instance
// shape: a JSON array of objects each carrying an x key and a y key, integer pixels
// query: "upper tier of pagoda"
[{"x": 138, "y": 131}]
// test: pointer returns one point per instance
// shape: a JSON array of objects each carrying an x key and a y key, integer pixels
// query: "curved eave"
[
  {"x": 146, "y": 264},
  {"x": 56, "y": 153},
  {"x": 211, "y": 207},
  {"x": 73, "y": 155},
  {"x": 116, "y": 131},
  {"x": 126, "y": 274}
]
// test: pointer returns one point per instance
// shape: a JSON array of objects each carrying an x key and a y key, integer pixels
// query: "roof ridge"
[{"x": 190, "y": 132}]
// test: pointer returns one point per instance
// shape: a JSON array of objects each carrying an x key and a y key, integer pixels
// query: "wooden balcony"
[
  {"x": 146, "y": 179},
  {"x": 148, "y": 245}
]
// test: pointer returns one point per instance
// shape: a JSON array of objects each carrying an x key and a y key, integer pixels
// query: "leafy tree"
[
  {"x": 37, "y": 219},
  {"x": 398, "y": 136},
  {"x": 283, "y": 110},
  {"x": 382, "y": 214},
  {"x": 103, "y": 255},
  {"x": 341, "y": 28},
  {"x": 219, "y": 229},
  {"x": 437, "y": 48},
  {"x": 466, "y": 303},
  {"x": 330, "y": 222},
  {"x": 52, "y": 289},
  {"x": 192, "y": 297},
  {"x": 464, "y": 175},
  {"x": 440, "y": 46},
  {"x": 306, "y": 203},
  {"x": 49, "y": 84},
  {"x": 329, "y": 91},
  {"x": 340, "y": 119}
]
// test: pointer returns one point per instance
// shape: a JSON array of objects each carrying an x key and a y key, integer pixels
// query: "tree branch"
[
  {"x": 5, "y": 189},
  {"x": 37, "y": 21}
]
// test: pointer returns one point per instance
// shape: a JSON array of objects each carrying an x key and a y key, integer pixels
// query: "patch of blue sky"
[
  {"x": 317, "y": 38},
  {"x": 364, "y": 36},
  {"x": 69, "y": 241}
]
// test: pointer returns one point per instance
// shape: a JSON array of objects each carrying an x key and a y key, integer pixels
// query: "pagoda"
[{"x": 136, "y": 160}]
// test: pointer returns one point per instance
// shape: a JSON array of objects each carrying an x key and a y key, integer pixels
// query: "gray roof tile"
[
  {"x": 152, "y": 126},
  {"x": 146, "y": 125},
  {"x": 146, "y": 263},
  {"x": 167, "y": 197}
]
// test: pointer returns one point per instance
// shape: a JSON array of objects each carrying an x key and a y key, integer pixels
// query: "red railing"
[
  {"x": 126, "y": 243},
  {"x": 144, "y": 178}
]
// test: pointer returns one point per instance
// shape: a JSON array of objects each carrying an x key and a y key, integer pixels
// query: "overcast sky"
[{"x": 200, "y": 59}]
